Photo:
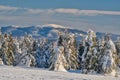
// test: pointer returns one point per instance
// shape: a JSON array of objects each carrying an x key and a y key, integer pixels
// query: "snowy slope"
[{"x": 20, "y": 73}]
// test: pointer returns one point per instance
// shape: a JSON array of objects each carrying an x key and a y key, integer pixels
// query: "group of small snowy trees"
[
  {"x": 24, "y": 51},
  {"x": 15, "y": 52},
  {"x": 100, "y": 55}
]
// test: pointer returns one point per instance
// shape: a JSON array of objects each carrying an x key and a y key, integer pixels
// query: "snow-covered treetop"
[
  {"x": 109, "y": 43},
  {"x": 91, "y": 33}
]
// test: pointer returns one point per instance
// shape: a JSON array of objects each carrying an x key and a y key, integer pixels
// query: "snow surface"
[{"x": 26, "y": 73}]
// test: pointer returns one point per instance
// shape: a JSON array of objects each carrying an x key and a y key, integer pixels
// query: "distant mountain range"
[{"x": 49, "y": 31}]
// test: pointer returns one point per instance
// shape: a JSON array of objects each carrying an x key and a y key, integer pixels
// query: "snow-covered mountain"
[{"x": 48, "y": 31}]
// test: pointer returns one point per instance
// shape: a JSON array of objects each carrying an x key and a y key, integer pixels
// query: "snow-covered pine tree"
[
  {"x": 26, "y": 59},
  {"x": 42, "y": 54},
  {"x": 80, "y": 52},
  {"x": 71, "y": 53},
  {"x": 8, "y": 49},
  {"x": 89, "y": 56},
  {"x": 38, "y": 56},
  {"x": 58, "y": 61},
  {"x": 117, "y": 43},
  {"x": 100, "y": 43},
  {"x": 68, "y": 41},
  {"x": 18, "y": 50},
  {"x": 26, "y": 56},
  {"x": 107, "y": 62}
]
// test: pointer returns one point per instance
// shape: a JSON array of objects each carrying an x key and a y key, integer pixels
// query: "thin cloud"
[
  {"x": 8, "y": 8},
  {"x": 39, "y": 11},
  {"x": 35, "y": 11},
  {"x": 62, "y": 10},
  {"x": 86, "y": 12},
  {"x": 76, "y": 12}
]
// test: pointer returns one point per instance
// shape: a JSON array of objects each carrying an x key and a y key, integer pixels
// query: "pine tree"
[
  {"x": 118, "y": 51},
  {"x": 71, "y": 53},
  {"x": 24, "y": 52},
  {"x": 42, "y": 54},
  {"x": 17, "y": 52},
  {"x": 107, "y": 62},
  {"x": 89, "y": 56},
  {"x": 80, "y": 50},
  {"x": 101, "y": 43},
  {"x": 26, "y": 59},
  {"x": 68, "y": 41},
  {"x": 58, "y": 61},
  {"x": 8, "y": 50}
]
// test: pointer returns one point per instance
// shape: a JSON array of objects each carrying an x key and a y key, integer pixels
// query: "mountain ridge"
[{"x": 46, "y": 31}]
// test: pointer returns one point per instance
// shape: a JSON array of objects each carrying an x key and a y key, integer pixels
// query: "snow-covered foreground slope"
[{"x": 18, "y": 73}]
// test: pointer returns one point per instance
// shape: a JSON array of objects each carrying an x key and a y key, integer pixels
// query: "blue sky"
[{"x": 100, "y": 15}]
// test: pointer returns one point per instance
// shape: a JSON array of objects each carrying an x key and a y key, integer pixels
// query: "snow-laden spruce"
[
  {"x": 108, "y": 58},
  {"x": 68, "y": 54},
  {"x": 58, "y": 61},
  {"x": 89, "y": 60},
  {"x": 7, "y": 49},
  {"x": 42, "y": 56},
  {"x": 24, "y": 52},
  {"x": 26, "y": 59},
  {"x": 117, "y": 43}
]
